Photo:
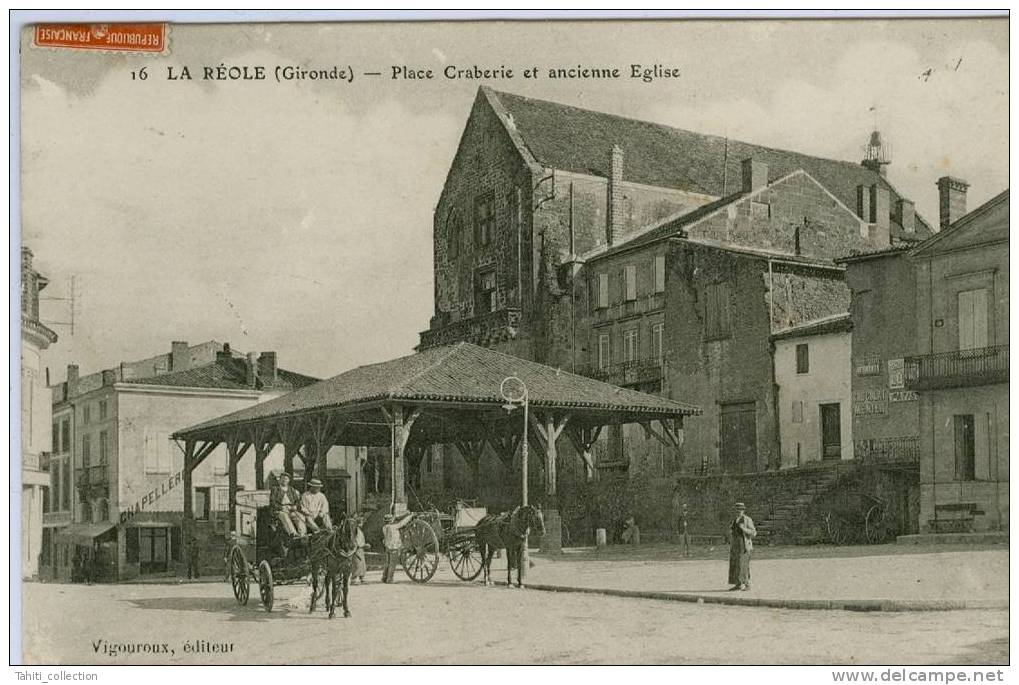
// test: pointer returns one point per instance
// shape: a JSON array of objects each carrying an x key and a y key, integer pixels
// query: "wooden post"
[
  {"x": 189, "y": 510},
  {"x": 583, "y": 440},
  {"x": 235, "y": 450},
  {"x": 400, "y": 423},
  {"x": 548, "y": 430}
]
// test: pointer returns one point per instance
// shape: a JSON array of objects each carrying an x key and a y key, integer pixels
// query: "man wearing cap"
[
  {"x": 315, "y": 507},
  {"x": 741, "y": 544},
  {"x": 284, "y": 502},
  {"x": 393, "y": 544}
]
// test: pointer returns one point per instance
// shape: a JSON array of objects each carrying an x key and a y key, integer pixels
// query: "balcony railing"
[
  {"x": 636, "y": 372},
  {"x": 487, "y": 329},
  {"x": 883, "y": 450},
  {"x": 961, "y": 368},
  {"x": 621, "y": 310},
  {"x": 92, "y": 476}
]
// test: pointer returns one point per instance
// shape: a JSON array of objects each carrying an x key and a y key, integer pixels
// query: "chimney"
[
  {"x": 180, "y": 355},
  {"x": 952, "y": 199},
  {"x": 109, "y": 377},
  {"x": 880, "y": 215},
  {"x": 72, "y": 380},
  {"x": 755, "y": 175},
  {"x": 905, "y": 214},
  {"x": 224, "y": 354},
  {"x": 863, "y": 202},
  {"x": 252, "y": 368},
  {"x": 267, "y": 367},
  {"x": 614, "y": 222}
]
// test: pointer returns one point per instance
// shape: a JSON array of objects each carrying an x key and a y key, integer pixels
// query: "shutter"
[
  {"x": 603, "y": 290},
  {"x": 660, "y": 274},
  {"x": 132, "y": 545},
  {"x": 631, "y": 282},
  {"x": 175, "y": 544},
  {"x": 965, "y": 300},
  {"x": 980, "y": 318}
]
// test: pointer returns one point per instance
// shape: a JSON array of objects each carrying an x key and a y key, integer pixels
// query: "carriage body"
[
  {"x": 433, "y": 533},
  {"x": 263, "y": 553}
]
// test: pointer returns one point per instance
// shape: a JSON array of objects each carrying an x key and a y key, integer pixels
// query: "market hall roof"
[
  {"x": 464, "y": 375},
  {"x": 581, "y": 140}
]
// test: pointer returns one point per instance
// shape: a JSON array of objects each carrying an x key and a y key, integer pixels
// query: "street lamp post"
[{"x": 514, "y": 392}]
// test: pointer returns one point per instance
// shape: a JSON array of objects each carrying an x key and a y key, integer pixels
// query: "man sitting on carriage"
[
  {"x": 285, "y": 503},
  {"x": 315, "y": 507}
]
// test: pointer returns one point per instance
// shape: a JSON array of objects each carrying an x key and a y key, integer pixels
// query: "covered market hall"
[{"x": 461, "y": 394}]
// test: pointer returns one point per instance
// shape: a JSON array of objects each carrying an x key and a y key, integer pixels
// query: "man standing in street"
[
  {"x": 682, "y": 527},
  {"x": 393, "y": 544},
  {"x": 741, "y": 544},
  {"x": 194, "y": 549}
]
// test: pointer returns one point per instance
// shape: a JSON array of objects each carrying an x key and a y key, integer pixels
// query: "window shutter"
[
  {"x": 603, "y": 290},
  {"x": 631, "y": 281},
  {"x": 175, "y": 544},
  {"x": 660, "y": 274},
  {"x": 132, "y": 545}
]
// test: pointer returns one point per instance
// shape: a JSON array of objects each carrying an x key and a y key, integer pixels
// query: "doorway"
[
  {"x": 831, "y": 431},
  {"x": 153, "y": 550},
  {"x": 738, "y": 437}
]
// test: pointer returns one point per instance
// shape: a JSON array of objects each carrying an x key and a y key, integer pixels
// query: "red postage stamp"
[{"x": 121, "y": 37}]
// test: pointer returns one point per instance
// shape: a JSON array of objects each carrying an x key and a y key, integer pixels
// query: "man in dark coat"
[
  {"x": 741, "y": 544},
  {"x": 284, "y": 503}
]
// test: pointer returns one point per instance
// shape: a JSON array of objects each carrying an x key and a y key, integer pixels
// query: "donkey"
[
  {"x": 507, "y": 531},
  {"x": 332, "y": 556}
]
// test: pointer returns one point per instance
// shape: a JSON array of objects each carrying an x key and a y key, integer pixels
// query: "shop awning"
[{"x": 85, "y": 532}]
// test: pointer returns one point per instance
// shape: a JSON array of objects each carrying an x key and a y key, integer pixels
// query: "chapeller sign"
[{"x": 152, "y": 496}]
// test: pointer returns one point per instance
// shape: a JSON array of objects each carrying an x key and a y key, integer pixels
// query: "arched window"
[{"x": 454, "y": 234}]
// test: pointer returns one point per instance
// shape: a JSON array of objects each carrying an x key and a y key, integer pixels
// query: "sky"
[{"x": 297, "y": 217}]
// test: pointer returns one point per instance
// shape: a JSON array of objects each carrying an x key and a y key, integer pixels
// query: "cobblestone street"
[{"x": 447, "y": 621}]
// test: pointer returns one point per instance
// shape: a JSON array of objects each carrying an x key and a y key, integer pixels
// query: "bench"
[{"x": 954, "y": 518}]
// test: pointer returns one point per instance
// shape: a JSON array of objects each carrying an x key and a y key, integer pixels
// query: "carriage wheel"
[
  {"x": 239, "y": 574},
  {"x": 465, "y": 557},
  {"x": 838, "y": 533},
  {"x": 265, "y": 588},
  {"x": 420, "y": 553},
  {"x": 876, "y": 527}
]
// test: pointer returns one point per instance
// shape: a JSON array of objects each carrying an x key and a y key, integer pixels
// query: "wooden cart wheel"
[
  {"x": 876, "y": 527},
  {"x": 420, "y": 552},
  {"x": 265, "y": 588},
  {"x": 838, "y": 533},
  {"x": 465, "y": 557},
  {"x": 239, "y": 574}
]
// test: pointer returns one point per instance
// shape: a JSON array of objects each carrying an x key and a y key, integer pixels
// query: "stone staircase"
[{"x": 787, "y": 515}]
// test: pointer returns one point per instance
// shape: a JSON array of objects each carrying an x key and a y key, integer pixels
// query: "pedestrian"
[
  {"x": 631, "y": 532},
  {"x": 682, "y": 527},
  {"x": 194, "y": 551},
  {"x": 360, "y": 566},
  {"x": 741, "y": 544},
  {"x": 393, "y": 544}
]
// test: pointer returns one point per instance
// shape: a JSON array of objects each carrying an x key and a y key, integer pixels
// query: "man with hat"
[
  {"x": 741, "y": 544},
  {"x": 315, "y": 507},
  {"x": 283, "y": 503},
  {"x": 393, "y": 544}
]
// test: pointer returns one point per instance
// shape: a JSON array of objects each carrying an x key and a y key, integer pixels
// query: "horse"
[
  {"x": 507, "y": 531},
  {"x": 332, "y": 555}
]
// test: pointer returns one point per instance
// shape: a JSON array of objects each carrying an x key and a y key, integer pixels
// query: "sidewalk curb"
[{"x": 887, "y": 605}]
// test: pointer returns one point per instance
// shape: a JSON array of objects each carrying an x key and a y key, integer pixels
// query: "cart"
[{"x": 432, "y": 533}]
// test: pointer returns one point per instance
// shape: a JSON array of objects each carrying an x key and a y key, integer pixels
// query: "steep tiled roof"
[
  {"x": 462, "y": 373},
  {"x": 860, "y": 256},
  {"x": 225, "y": 374},
  {"x": 580, "y": 140}
]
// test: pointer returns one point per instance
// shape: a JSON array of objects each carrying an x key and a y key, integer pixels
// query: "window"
[
  {"x": 965, "y": 447},
  {"x": 716, "y": 311},
  {"x": 972, "y": 319},
  {"x": 46, "y": 499},
  {"x": 484, "y": 220},
  {"x": 486, "y": 295},
  {"x": 657, "y": 331},
  {"x": 65, "y": 497},
  {"x": 157, "y": 453},
  {"x": 797, "y": 411},
  {"x": 603, "y": 291},
  {"x": 103, "y": 448},
  {"x": 222, "y": 502},
  {"x": 86, "y": 414},
  {"x": 202, "y": 503},
  {"x": 630, "y": 344},
  {"x": 86, "y": 449},
  {"x": 65, "y": 436},
  {"x": 454, "y": 235},
  {"x": 56, "y": 436},
  {"x": 56, "y": 473},
  {"x": 604, "y": 351},
  {"x": 630, "y": 276},
  {"x": 102, "y": 410},
  {"x": 802, "y": 359},
  {"x": 660, "y": 273}
]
